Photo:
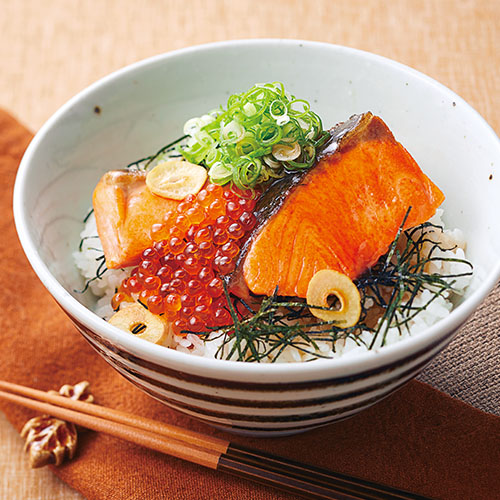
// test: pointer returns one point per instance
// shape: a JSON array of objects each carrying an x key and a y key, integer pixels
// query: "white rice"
[
  {"x": 90, "y": 256},
  {"x": 87, "y": 260}
]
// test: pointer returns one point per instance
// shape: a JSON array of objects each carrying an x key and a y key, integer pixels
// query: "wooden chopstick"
[
  {"x": 185, "y": 451},
  {"x": 218, "y": 454},
  {"x": 121, "y": 417}
]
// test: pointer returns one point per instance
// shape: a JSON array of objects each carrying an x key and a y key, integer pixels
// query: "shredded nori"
[{"x": 391, "y": 286}]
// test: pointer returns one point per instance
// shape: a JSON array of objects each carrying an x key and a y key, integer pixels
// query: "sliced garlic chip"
[
  {"x": 176, "y": 179},
  {"x": 137, "y": 320},
  {"x": 326, "y": 283}
]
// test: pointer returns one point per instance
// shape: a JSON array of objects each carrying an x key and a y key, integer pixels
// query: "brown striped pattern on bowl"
[{"x": 262, "y": 408}]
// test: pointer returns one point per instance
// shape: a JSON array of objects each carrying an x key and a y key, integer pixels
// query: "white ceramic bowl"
[{"x": 144, "y": 106}]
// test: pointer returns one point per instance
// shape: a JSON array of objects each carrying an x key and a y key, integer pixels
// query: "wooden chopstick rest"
[
  {"x": 50, "y": 440},
  {"x": 78, "y": 392}
]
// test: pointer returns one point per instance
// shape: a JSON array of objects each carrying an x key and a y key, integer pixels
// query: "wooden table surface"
[{"x": 50, "y": 50}]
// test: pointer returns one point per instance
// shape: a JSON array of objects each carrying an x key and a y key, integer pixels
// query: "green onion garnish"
[{"x": 263, "y": 133}]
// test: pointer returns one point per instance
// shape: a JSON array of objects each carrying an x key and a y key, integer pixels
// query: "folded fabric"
[{"x": 418, "y": 439}]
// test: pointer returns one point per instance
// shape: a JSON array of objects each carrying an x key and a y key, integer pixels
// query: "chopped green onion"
[
  {"x": 220, "y": 173},
  {"x": 236, "y": 144},
  {"x": 247, "y": 172}
]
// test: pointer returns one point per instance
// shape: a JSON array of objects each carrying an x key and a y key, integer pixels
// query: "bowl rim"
[{"x": 320, "y": 368}]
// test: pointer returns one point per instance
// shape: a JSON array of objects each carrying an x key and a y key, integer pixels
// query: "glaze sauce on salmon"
[{"x": 342, "y": 214}]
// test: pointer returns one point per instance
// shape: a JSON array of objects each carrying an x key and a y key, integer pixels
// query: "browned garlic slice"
[
  {"x": 328, "y": 282},
  {"x": 176, "y": 179},
  {"x": 137, "y": 320},
  {"x": 49, "y": 440}
]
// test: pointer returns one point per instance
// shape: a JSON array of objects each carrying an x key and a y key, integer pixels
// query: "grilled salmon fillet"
[
  {"x": 342, "y": 214},
  {"x": 125, "y": 209}
]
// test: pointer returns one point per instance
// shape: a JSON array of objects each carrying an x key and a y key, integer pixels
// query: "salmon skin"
[
  {"x": 125, "y": 209},
  {"x": 342, "y": 214}
]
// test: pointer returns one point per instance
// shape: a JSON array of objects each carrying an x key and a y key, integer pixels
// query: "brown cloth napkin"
[{"x": 418, "y": 439}]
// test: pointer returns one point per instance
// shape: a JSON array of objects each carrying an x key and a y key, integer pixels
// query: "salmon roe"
[{"x": 179, "y": 276}]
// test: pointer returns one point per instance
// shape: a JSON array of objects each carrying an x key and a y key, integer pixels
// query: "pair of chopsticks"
[{"x": 217, "y": 454}]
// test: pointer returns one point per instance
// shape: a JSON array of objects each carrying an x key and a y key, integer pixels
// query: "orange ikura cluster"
[{"x": 179, "y": 276}]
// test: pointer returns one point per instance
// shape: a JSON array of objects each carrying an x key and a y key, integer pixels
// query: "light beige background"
[{"x": 51, "y": 49}]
